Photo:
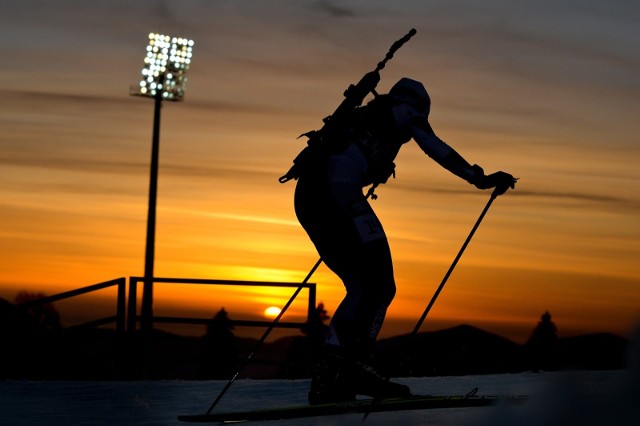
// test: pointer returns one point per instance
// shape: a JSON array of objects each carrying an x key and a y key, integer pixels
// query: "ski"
[{"x": 363, "y": 406}]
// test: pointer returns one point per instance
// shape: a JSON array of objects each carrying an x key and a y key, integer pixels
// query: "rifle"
[{"x": 354, "y": 96}]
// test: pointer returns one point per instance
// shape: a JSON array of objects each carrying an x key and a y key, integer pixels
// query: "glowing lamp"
[{"x": 165, "y": 65}]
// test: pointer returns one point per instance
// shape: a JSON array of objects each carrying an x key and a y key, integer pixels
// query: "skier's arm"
[
  {"x": 444, "y": 155},
  {"x": 448, "y": 158}
]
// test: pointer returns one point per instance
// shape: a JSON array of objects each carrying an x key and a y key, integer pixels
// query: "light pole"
[{"x": 163, "y": 78}]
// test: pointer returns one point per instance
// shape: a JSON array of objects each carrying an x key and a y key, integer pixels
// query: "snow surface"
[{"x": 561, "y": 398}]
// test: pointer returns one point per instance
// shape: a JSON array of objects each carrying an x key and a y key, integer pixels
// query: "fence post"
[
  {"x": 312, "y": 302},
  {"x": 121, "y": 305},
  {"x": 131, "y": 312}
]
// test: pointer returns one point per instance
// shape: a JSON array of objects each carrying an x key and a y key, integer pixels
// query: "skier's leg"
[
  {"x": 358, "y": 252},
  {"x": 370, "y": 287},
  {"x": 352, "y": 243}
]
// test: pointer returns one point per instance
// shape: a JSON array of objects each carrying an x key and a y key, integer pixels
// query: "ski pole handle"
[{"x": 501, "y": 188}]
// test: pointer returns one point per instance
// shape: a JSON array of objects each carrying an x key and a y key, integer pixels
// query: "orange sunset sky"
[{"x": 548, "y": 91}]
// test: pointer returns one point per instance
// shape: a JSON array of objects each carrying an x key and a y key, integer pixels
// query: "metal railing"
[
  {"x": 133, "y": 317},
  {"x": 133, "y": 350},
  {"x": 118, "y": 318},
  {"x": 126, "y": 317}
]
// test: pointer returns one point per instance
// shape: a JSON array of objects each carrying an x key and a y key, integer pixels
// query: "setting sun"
[{"x": 272, "y": 311}]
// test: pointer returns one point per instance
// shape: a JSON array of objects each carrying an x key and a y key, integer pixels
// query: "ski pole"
[
  {"x": 497, "y": 191},
  {"x": 264, "y": 337}
]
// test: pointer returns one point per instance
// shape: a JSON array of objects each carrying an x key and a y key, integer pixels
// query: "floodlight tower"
[{"x": 163, "y": 78}]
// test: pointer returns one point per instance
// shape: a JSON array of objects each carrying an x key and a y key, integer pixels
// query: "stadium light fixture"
[{"x": 165, "y": 65}]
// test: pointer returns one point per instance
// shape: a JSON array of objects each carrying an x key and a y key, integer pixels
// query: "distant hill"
[
  {"x": 466, "y": 350},
  {"x": 102, "y": 354},
  {"x": 459, "y": 350}
]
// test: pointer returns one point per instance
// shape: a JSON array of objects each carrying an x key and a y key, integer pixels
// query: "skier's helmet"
[{"x": 408, "y": 91}]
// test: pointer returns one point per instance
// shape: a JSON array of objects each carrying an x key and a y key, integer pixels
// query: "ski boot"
[
  {"x": 330, "y": 381},
  {"x": 366, "y": 380},
  {"x": 339, "y": 378}
]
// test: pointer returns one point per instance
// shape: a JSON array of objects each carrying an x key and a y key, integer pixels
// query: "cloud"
[
  {"x": 334, "y": 10},
  {"x": 105, "y": 166},
  {"x": 41, "y": 98},
  {"x": 560, "y": 198}
]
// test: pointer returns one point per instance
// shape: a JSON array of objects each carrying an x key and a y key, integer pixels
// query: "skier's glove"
[{"x": 502, "y": 181}]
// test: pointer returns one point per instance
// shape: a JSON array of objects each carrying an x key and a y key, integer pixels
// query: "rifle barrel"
[{"x": 394, "y": 47}]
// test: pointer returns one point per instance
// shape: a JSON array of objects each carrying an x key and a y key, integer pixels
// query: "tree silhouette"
[
  {"x": 26, "y": 335},
  {"x": 542, "y": 346},
  {"x": 316, "y": 327},
  {"x": 219, "y": 348},
  {"x": 16, "y": 337},
  {"x": 45, "y": 315}
]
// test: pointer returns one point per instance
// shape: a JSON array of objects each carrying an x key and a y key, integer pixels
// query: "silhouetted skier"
[{"x": 332, "y": 208}]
